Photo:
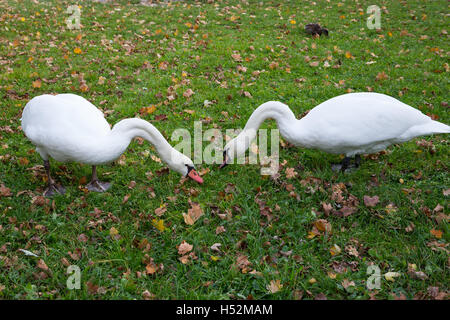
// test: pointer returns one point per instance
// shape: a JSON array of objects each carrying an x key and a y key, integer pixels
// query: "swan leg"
[
  {"x": 95, "y": 184},
  {"x": 357, "y": 160},
  {"x": 52, "y": 188},
  {"x": 344, "y": 165}
]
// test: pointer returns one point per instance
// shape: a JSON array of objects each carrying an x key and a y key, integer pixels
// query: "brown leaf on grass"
[
  {"x": 371, "y": 201},
  {"x": 320, "y": 296},
  {"x": 163, "y": 65},
  {"x": 160, "y": 210},
  {"x": 420, "y": 275},
  {"x": 346, "y": 211},
  {"x": 291, "y": 173},
  {"x": 147, "y": 110},
  {"x": 188, "y": 93},
  {"x": 92, "y": 288},
  {"x": 323, "y": 225},
  {"x": 39, "y": 201},
  {"x": 401, "y": 296},
  {"x": 216, "y": 246},
  {"x": 114, "y": 233},
  {"x": 236, "y": 57},
  {"x": 4, "y": 191},
  {"x": 274, "y": 286},
  {"x": 184, "y": 248},
  {"x": 125, "y": 198},
  {"x": 42, "y": 265},
  {"x": 161, "y": 117},
  {"x": 326, "y": 207},
  {"x": 147, "y": 295},
  {"x": 335, "y": 250},
  {"x": 184, "y": 259},
  {"x": 273, "y": 65},
  {"x": 436, "y": 233},
  {"x": 101, "y": 80},
  {"x": 247, "y": 94},
  {"x": 75, "y": 255},
  {"x": 351, "y": 250},
  {"x": 381, "y": 76},
  {"x": 194, "y": 213},
  {"x": 319, "y": 227},
  {"x": 410, "y": 227},
  {"x": 338, "y": 191},
  {"x": 220, "y": 229},
  {"x": 441, "y": 217},
  {"x": 83, "y": 238},
  {"x": 83, "y": 87},
  {"x": 37, "y": 83},
  {"x": 390, "y": 208},
  {"x": 437, "y": 246},
  {"x": 65, "y": 262},
  {"x": 242, "y": 263},
  {"x": 151, "y": 268},
  {"x": 436, "y": 294},
  {"x": 346, "y": 283}
]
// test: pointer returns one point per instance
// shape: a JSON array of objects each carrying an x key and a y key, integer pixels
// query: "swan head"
[
  {"x": 183, "y": 165},
  {"x": 236, "y": 147}
]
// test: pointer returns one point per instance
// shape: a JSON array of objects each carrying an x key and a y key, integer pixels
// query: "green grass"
[{"x": 118, "y": 41}]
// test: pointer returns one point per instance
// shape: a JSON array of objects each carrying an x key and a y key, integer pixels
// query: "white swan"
[
  {"x": 67, "y": 127},
  {"x": 350, "y": 124}
]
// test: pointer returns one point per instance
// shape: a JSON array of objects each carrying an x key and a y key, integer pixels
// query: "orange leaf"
[
  {"x": 436, "y": 233},
  {"x": 37, "y": 83}
]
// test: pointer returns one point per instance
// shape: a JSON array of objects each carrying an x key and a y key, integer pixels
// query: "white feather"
[
  {"x": 350, "y": 124},
  {"x": 67, "y": 127}
]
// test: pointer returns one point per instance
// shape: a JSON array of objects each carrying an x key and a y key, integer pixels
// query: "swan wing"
[
  {"x": 62, "y": 122},
  {"x": 359, "y": 119}
]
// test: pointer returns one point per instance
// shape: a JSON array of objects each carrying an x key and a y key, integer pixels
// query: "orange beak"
[{"x": 194, "y": 176}]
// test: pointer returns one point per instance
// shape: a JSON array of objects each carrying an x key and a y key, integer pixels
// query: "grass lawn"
[{"x": 134, "y": 60}]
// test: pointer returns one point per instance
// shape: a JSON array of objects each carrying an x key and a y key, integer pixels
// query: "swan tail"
[{"x": 431, "y": 127}]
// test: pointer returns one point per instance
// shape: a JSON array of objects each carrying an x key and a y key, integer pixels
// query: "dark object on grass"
[{"x": 315, "y": 29}]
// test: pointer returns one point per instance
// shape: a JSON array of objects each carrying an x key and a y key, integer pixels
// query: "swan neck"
[
  {"x": 271, "y": 110},
  {"x": 129, "y": 129}
]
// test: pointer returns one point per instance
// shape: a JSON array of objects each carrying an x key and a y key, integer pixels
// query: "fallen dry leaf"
[
  {"x": 371, "y": 201},
  {"x": 436, "y": 233},
  {"x": 4, "y": 191},
  {"x": 389, "y": 276},
  {"x": 184, "y": 248},
  {"x": 220, "y": 229},
  {"x": 290, "y": 173},
  {"x": 274, "y": 286},
  {"x": 161, "y": 210},
  {"x": 335, "y": 249},
  {"x": 42, "y": 265},
  {"x": 194, "y": 213},
  {"x": 188, "y": 93}
]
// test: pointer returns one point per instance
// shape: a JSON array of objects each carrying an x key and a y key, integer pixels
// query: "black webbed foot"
[
  {"x": 346, "y": 166},
  {"x": 98, "y": 186},
  {"x": 53, "y": 189}
]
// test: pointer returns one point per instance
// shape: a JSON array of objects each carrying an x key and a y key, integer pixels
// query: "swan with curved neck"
[
  {"x": 350, "y": 124},
  {"x": 67, "y": 127}
]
